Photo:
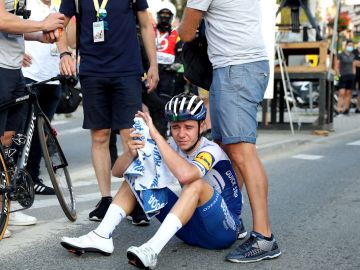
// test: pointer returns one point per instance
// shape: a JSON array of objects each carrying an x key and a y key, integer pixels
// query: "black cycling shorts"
[{"x": 110, "y": 102}]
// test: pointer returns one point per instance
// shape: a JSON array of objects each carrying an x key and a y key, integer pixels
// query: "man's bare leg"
[
  {"x": 101, "y": 159},
  {"x": 245, "y": 157}
]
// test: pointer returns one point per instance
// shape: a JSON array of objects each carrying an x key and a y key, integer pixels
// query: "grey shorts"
[{"x": 235, "y": 94}]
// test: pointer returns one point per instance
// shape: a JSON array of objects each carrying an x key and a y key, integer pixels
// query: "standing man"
[
  {"x": 13, "y": 30},
  {"x": 41, "y": 62},
  {"x": 240, "y": 77},
  {"x": 110, "y": 75},
  {"x": 167, "y": 40}
]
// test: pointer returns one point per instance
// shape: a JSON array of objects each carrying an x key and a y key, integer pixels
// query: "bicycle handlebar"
[{"x": 72, "y": 80}]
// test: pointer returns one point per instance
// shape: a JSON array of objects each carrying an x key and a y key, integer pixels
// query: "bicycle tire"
[
  {"x": 56, "y": 165},
  {"x": 4, "y": 195}
]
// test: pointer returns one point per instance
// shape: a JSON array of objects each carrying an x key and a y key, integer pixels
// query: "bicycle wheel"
[
  {"x": 4, "y": 194},
  {"x": 56, "y": 165}
]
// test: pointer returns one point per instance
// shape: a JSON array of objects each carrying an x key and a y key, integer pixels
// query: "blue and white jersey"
[{"x": 216, "y": 169}]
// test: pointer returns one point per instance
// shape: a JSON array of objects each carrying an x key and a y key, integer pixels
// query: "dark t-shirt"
[
  {"x": 357, "y": 57},
  {"x": 119, "y": 54},
  {"x": 346, "y": 64}
]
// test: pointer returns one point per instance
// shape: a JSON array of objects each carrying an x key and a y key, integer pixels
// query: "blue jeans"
[
  {"x": 49, "y": 97},
  {"x": 235, "y": 94}
]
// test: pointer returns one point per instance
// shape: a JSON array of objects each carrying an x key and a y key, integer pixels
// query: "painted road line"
[
  {"x": 354, "y": 143},
  {"x": 307, "y": 157},
  {"x": 78, "y": 199},
  {"x": 71, "y": 131}
]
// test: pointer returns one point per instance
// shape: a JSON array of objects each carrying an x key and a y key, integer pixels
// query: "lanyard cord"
[{"x": 96, "y": 6}]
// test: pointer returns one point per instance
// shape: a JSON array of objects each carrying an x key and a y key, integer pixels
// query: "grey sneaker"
[
  {"x": 142, "y": 257},
  {"x": 255, "y": 249},
  {"x": 242, "y": 233}
]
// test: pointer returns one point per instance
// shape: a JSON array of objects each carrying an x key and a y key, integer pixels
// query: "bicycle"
[{"x": 15, "y": 181}]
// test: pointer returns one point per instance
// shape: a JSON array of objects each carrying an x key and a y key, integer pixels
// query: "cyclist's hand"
[
  {"x": 53, "y": 22},
  {"x": 26, "y": 62},
  {"x": 135, "y": 142},
  {"x": 67, "y": 66},
  {"x": 154, "y": 133},
  {"x": 152, "y": 78}
]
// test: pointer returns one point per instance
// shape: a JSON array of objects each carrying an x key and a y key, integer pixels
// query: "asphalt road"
[{"x": 314, "y": 197}]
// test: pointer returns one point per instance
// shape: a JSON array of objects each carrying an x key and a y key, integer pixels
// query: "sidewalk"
[{"x": 269, "y": 141}]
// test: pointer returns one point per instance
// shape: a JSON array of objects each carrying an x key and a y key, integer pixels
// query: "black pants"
[
  {"x": 49, "y": 97},
  {"x": 164, "y": 92}
]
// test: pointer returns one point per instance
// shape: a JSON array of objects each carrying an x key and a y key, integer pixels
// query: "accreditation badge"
[{"x": 98, "y": 31}]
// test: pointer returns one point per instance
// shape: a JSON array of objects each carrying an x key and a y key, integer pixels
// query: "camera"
[{"x": 23, "y": 12}]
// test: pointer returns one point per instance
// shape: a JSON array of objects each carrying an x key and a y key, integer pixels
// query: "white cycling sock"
[
  {"x": 168, "y": 229},
  {"x": 112, "y": 218}
]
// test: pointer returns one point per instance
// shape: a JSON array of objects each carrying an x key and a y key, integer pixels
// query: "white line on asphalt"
[
  {"x": 71, "y": 131},
  {"x": 354, "y": 143},
  {"x": 307, "y": 157},
  {"x": 78, "y": 198},
  {"x": 59, "y": 122}
]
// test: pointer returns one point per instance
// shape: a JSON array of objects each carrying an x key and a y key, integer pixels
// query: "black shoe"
[
  {"x": 346, "y": 112},
  {"x": 242, "y": 233},
  {"x": 255, "y": 249},
  {"x": 138, "y": 217},
  {"x": 41, "y": 189},
  {"x": 357, "y": 110},
  {"x": 99, "y": 212}
]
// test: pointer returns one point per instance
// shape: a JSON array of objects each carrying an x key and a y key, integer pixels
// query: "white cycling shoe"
[
  {"x": 90, "y": 242},
  {"x": 21, "y": 219},
  {"x": 142, "y": 257}
]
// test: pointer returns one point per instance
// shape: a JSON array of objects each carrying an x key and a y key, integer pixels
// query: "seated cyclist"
[{"x": 206, "y": 214}]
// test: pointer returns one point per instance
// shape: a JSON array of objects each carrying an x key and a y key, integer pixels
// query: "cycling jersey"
[{"x": 216, "y": 169}]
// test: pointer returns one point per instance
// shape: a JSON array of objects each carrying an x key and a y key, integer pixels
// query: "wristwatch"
[{"x": 65, "y": 53}]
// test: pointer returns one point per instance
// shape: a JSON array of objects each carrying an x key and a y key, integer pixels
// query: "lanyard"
[
  {"x": 96, "y": 5},
  {"x": 16, "y": 2}
]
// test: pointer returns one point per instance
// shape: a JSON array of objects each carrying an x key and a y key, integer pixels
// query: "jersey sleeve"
[
  {"x": 67, "y": 7},
  {"x": 206, "y": 159}
]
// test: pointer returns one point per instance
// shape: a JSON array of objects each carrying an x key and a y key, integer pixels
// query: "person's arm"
[
  {"x": 337, "y": 66},
  {"x": 71, "y": 33},
  {"x": 10, "y": 23},
  {"x": 67, "y": 63},
  {"x": 148, "y": 37},
  {"x": 189, "y": 23},
  {"x": 183, "y": 170}
]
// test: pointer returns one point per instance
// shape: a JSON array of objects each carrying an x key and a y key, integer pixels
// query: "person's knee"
[
  {"x": 193, "y": 188},
  {"x": 100, "y": 137},
  {"x": 240, "y": 153}
]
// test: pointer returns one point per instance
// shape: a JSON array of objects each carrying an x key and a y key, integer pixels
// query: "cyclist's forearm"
[
  {"x": 35, "y": 36},
  {"x": 122, "y": 163}
]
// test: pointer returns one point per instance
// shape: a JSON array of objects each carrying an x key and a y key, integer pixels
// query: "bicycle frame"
[{"x": 34, "y": 110}]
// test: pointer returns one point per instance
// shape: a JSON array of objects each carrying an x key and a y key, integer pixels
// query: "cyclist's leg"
[{"x": 193, "y": 195}]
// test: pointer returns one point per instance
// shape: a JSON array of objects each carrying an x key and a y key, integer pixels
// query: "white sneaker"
[
  {"x": 7, "y": 234},
  {"x": 90, "y": 242},
  {"x": 21, "y": 219},
  {"x": 142, "y": 257}
]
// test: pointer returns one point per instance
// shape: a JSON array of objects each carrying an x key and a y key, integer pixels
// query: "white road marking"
[
  {"x": 71, "y": 131},
  {"x": 59, "y": 122},
  {"x": 354, "y": 143},
  {"x": 307, "y": 157}
]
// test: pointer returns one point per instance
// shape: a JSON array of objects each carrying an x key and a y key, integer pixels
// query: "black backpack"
[{"x": 197, "y": 66}]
